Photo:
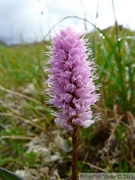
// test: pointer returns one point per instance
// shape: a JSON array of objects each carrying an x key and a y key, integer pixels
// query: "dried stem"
[{"x": 74, "y": 153}]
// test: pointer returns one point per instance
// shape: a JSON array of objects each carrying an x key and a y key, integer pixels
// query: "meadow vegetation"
[{"x": 30, "y": 141}]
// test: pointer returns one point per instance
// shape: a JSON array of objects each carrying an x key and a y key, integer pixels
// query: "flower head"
[{"x": 71, "y": 80}]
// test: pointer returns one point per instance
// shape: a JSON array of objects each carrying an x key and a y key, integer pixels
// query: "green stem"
[
  {"x": 119, "y": 60},
  {"x": 74, "y": 152}
]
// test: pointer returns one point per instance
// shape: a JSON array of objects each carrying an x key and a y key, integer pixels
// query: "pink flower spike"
[{"x": 71, "y": 80}]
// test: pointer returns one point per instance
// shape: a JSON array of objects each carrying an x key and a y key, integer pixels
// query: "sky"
[{"x": 26, "y": 21}]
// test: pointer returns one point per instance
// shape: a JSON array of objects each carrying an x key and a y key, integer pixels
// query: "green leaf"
[{"x": 7, "y": 175}]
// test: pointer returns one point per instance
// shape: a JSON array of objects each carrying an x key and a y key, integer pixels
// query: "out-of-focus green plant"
[{"x": 7, "y": 175}]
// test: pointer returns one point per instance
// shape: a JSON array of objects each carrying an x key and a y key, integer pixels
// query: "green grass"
[
  {"x": 115, "y": 66},
  {"x": 22, "y": 81},
  {"x": 107, "y": 145},
  {"x": 23, "y": 112}
]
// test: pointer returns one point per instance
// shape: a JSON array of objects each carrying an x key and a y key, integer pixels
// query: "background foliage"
[{"x": 32, "y": 144}]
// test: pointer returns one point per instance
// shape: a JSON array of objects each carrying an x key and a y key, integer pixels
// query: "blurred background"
[
  {"x": 31, "y": 145},
  {"x": 28, "y": 21}
]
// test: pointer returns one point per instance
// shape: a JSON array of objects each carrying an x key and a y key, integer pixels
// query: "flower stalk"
[
  {"x": 74, "y": 152},
  {"x": 71, "y": 84}
]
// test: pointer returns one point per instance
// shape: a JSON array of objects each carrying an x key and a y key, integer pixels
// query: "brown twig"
[
  {"x": 20, "y": 95},
  {"x": 28, "y": 121},
  {"x": 118, "y": 120},
  {"x": 96, "y": 167},
  {"x": 131, "y": 121}
]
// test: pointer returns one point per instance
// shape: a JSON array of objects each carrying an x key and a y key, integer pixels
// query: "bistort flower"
[{"x": 71, "y": 80}]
